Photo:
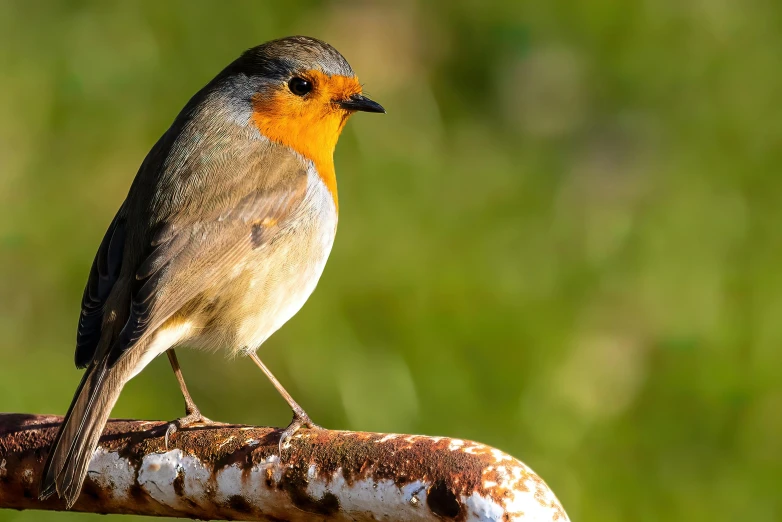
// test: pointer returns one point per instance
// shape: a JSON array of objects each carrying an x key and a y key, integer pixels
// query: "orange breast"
[{"x": 310, "y": 125}]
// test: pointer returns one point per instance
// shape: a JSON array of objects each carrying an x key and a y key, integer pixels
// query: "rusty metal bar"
[{"x": 233, "y": 472}]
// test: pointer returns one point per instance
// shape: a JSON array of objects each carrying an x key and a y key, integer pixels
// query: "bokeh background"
[{"x": 562, "y": 240}]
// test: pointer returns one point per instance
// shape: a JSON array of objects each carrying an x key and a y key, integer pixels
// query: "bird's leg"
[
  {"x": 300, "y": 417},
  {"x": 192, "y": 413}
]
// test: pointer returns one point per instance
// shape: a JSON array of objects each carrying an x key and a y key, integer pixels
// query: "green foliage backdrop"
[{"x": 562, "y": 239}]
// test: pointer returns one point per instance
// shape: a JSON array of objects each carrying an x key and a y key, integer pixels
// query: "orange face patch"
[{"x": 309, "y": 124}]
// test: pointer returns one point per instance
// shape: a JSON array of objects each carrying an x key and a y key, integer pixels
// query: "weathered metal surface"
[{"x": 236, "y": 473}]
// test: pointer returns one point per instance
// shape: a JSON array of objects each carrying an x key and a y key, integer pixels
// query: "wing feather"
[
  {"x": 188, "y": 260},
  {"x": 103, "y": 274}
]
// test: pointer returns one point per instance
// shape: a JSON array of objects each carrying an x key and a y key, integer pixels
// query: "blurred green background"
[{"x": 562, "y": 240}]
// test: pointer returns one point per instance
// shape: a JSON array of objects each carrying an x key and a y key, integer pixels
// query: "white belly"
[{"x": 283, "y": 275}]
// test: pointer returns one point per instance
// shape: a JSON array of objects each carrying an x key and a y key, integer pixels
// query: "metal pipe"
[{"x": 230, "y": 472}]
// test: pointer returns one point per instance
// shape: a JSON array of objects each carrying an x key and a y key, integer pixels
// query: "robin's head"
[{"x": 301, "y": 92}]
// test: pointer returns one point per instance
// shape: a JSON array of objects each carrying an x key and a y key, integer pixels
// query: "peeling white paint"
[
  {"x": 182, "y": 482},
  {"x": 232, "y": 481},
  {"x": 112, "y": 472},
  {"x": 484, "y": 509},
  {"x": 415, "y": 438},
  {"x": 159, "y": 471},
  {"x": 474, "y": 448},
  {"x": 500, "y": 456},
  {"x": 383, "y": 498},
  {"x": 455, "y": 444}
]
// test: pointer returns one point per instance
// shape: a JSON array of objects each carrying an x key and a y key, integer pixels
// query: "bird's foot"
[
  {"x": 300, "y": 420},
  {"x": 192, "y": 418}
]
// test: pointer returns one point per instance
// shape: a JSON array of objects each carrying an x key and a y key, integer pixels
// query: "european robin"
[{"x": 223, "y": 235}]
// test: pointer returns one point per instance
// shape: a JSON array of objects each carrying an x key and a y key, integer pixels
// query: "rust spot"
[
  {"x": 179, "y": 482},
  {"x": 238, "y": 503},
  {"x": 91, "y": 490},
  {"x": 442, "y": 500},
  {"x": 137, "y": 493},
  {"x": 294, "y": 482}
]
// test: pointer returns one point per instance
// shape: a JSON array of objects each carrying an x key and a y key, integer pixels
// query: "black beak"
[{"x": 359, "y": 102}]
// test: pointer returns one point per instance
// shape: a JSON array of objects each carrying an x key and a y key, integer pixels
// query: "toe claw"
[
  {"x": 191, "y": 418},
  {"x": 287, "y": 433},
  {"x": 300, "y": 420},
  {"x": 170, "y": 430}
]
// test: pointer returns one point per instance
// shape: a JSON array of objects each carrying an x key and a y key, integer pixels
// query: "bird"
[{"x": 223, "y": 236}]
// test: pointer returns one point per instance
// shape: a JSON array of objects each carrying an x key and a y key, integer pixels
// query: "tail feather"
[
  {"x": 56, "y": 458},
  {"x": 69, "y": 458}
]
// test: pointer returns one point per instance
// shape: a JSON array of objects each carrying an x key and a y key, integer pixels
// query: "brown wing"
[
  {"x": 103, "y": 274},
  {"x": 185, "y": 260}
]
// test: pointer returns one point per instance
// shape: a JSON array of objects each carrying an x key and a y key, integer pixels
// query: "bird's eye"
[{"x": 299, "y": 86}]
